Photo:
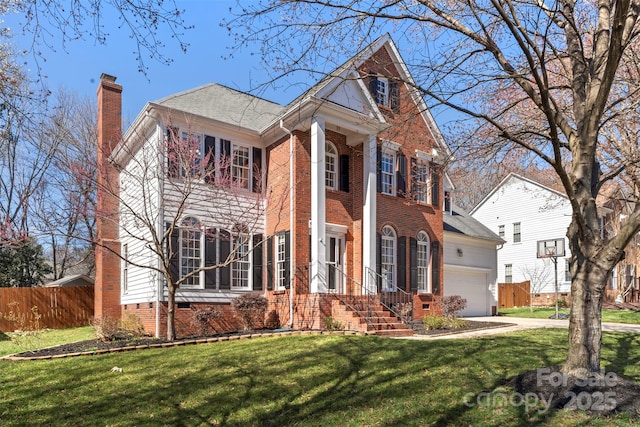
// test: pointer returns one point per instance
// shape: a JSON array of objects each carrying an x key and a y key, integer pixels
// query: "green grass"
[
  {"x": 299, "y": 380},
  {"x": 617, "y": 316},
  {"x": 11, "y": 343}
]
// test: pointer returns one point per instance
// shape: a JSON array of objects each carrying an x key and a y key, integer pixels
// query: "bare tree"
[
  {"x": 539, "y": 276},
  {"x": 172, "y": 193},
  {"x": 566, "y": 67}
]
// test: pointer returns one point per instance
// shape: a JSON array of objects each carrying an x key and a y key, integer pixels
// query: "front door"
[{"x": 335, "y": 263}]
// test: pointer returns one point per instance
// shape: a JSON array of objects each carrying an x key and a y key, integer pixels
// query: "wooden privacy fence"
[
  {"x": 59, "y": 307},
  {"x": 514, "y": 294}
]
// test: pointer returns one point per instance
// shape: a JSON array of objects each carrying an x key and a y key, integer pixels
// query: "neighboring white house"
[
  {"x": 523, "y": 212},
  {"x": 470, "y": 262}
]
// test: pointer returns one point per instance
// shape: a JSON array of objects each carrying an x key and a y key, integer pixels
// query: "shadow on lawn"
[
  {"x": 309, "y": 381},
  {"x": 4, "y": 337}
]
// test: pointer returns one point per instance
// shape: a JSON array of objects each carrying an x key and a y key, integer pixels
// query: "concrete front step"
[{"x": 393, "y": 332}]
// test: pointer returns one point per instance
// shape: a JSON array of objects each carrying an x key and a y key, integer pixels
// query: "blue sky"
[{"x": 78, "y": 69}]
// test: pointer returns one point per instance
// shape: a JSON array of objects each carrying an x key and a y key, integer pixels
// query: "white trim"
[
  {"x": 390, "y": 145},
  {"x": 318, "y": 203}
]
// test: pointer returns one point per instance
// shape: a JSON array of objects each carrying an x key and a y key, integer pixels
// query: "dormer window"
[{"x": 385, "y": 92}]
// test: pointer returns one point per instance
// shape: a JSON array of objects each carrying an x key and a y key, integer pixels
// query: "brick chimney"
[{"x": 107, "y": 285}]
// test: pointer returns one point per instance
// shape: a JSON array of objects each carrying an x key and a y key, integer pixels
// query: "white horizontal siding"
[{"x": 543, "y": 215}]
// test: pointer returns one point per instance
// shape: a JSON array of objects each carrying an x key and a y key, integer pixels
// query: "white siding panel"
[{"x": 543, "y": 214}]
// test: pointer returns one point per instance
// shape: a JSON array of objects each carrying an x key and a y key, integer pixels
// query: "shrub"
[
  {"x": 202, "y": 317},
  {"x": 452, "y": 305},
  {"x": 331, "y": 324},
  {"x": 433, "y": 321},
  {"x": 26, "y": 325},
  {"x": 251, "y": 308},
  {"x": 111, "y": 329}
]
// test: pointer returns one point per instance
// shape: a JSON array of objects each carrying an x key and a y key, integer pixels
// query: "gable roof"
[
  {"x": 512, "y": 177},
  {"x": 224, "y": 104},
  {"x": 462, "y": 223}
]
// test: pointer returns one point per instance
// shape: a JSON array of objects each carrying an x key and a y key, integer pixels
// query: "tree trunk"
[
  {"x": 171, "y": 303},
  {"x": 585, "y": 325}
]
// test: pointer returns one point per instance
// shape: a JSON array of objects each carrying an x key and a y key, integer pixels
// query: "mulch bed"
[
  {"x": 597, "y": 395},
  {"x": 418, "y": 328},
  {"x": 98, "y": 346}
]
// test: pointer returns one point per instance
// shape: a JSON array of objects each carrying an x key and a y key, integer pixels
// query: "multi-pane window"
[
  {"x": 387, "y": 173},
  {"x": 242, "y": 264},
  {"x": 421, "y": 176},
  {"x": 281, "y": 261},
  {"x": 508, "y": 273},
  {"x": 567, "y": 269},
  {"x": 501, "y": 231},
  {"x": 331, "y": 166},
  {"x": 517, "y": 237},
  {"x": 422, "y": 256},
  {"x": 188, "y": 153},
  {"x": 382, "y": 91},
  {"x": 241, "y": 166},
  {"x": 190, "y": 252},
  {"x": 388, "y": 258}
]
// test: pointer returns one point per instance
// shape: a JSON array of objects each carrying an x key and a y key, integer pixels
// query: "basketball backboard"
[{"x": 550, "y": 248}]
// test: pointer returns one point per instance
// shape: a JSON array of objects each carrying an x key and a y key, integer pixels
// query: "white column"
[
  {"x": 369, "y": 215},
  {"x": 318, "y": 203}
]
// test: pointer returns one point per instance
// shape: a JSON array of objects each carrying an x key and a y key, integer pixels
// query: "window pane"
[
  {"x": 240, "y": 169},
  {"x": 387, "y": 173}
]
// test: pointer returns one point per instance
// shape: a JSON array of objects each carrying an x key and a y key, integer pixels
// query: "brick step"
[{"x": 382, "y": 326}]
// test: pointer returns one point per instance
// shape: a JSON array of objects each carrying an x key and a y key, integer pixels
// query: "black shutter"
[
  {"x": 435, "y": 268},
  {"x": 210, "y": 259},
  {"x": 413, "y": 264},
  {"x": 225, "y": 250},
  {"x": 373, "y": 88},
  {"x": 413, "y": 163},
  {"x": 344, "y": 172},
  {"x": 210, "y": 150},
  {"x": 287, "y": 258},
  {"x": 379, "y": 169},
  {"x": 257, "y": 170},
  {"x": 270, "y": 262},
  {"x": 379, "y": 261},
  {"x": 402, "y": 263},
  {"x": 225, "y": 159},
  {"x": 394, "y": 96},
  {"x": 172, "y": 141},
  {"x": 401, "y": 175},
  {"x": 257, "y": 262},
  {"x": 173, "y": 252},
  {"x": 435, "y": 186}
]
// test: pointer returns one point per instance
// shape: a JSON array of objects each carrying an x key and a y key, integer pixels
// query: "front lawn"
[
  {"x": 616, "y": 316},
  {"x": 325, "y": 380}
]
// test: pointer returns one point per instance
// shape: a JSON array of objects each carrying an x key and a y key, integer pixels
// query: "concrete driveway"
[{"x": 520, "y": 324}]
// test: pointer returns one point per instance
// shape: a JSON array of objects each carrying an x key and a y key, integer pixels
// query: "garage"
[{"x": 473, "y": 286}]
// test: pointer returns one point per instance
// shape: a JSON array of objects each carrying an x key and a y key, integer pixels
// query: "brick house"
[{"x": 353, "y": 222}]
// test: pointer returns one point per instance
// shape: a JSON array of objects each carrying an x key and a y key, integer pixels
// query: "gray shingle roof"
[
  {"x": 460, "y": 222},
  {"x": 227, "y": 105}
]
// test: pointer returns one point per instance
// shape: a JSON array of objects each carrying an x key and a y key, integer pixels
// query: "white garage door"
[{"x": 470, "y": 285}]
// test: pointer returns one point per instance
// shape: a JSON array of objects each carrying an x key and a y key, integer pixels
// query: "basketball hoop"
[{"x": 550, "y": 248}]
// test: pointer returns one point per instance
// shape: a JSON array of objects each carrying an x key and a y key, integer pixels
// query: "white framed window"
[
  {"x": 517, "y": 236},
  {"x": 125, "y": 268},
  {"x": 241, "y": 166},
  {"x": 567, "y": 269},
  {"x": 422, "y": 175},
  {"x": 241, "y": 267},
  {"x": 388, "y": 173},
  {"x": 388, "y": 258},
  {"x": 190, "y": 253},
  {"x": 382, "y": 91},
  {"x": 281, "y": 261},
  {"x": 331, "y": 166},
  {"x": 423, "y": 257},
  {"x": 508, "y": 273},
  {"x": 501, "y": 231}
]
